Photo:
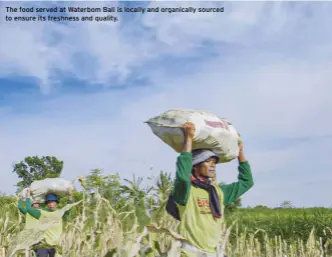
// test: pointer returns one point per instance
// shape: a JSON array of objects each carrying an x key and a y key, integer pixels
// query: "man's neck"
[{"x": 204, "y": 179}]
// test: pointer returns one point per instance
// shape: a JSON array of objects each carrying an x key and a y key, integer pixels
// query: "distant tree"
[
  {"x": 261, "y": 207},
  {"x": 37, "y": 168},
  {"x": 286, "y": 204}
]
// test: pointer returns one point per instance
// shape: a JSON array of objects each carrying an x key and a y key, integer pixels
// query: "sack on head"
[
  {"x": 41, "y": 188},
  {"x": 212, "y": 132}
]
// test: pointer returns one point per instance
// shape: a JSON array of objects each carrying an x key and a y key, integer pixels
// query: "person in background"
[
  {"x": 47, "y": 248},
  {"x": 30, "y": 221},
  {"x": 199, "y": 201}
]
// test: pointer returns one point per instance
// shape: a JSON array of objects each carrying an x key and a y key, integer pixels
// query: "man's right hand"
[
  {"x": 189, "y": 130},
  {"x": 28, "y": 193},
  {"x": 189, "y": 133},
  {"x": 241, "y": 156}
]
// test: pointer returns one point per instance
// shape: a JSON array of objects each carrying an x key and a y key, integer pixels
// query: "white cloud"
[
  {"x": 40, "y": 49},
  {"x": 259, "y": 79},
  {"x": 122, "y": 143}
]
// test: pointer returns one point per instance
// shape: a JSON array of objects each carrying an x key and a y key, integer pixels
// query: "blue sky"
[{"x": 81, "y": 91}]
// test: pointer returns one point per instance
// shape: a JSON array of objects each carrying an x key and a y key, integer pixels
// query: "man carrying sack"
[
  {"x": 198, "y": 202},
  {"x": 47, "y": 216}
]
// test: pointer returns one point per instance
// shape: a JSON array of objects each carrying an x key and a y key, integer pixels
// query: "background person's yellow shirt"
[
  {"x": 54, "y": 220},
  {"x": 30, "y": 222}
]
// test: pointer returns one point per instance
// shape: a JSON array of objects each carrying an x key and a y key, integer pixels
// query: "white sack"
[
  {"x": 212, "y": 132},
  {"x": 40, "y": 188}
]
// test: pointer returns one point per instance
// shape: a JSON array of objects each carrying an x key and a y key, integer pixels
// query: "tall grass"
[
  {"x": 289, "y": 224},
  {"x": 99, "y": 230},
  {"x": 131, "y": 222},
  {"x": 10, "y": 223}
]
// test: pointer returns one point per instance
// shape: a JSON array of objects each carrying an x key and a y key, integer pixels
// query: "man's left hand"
[
  {"x": 241, "y": 156},
  {"x": 70, "y": 191},
  {"x": 28, "y": 193},
  {"x": 240, "y": 143}
]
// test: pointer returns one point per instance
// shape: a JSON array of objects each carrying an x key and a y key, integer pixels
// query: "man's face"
[
  {"x": 51, "y": 205},
  {"x": 207, "y": 168},
  {"x": 35, "y": 205}
]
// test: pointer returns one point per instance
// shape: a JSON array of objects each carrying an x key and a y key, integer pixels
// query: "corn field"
[{"x": 130, "y": 221}]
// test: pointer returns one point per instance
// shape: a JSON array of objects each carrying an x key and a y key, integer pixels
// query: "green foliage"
[
  {"x": 108, "y": 186},
  {"x": 37, "y": 168},
  {"x": 77, "y": 196},
  {"x": 95, "y": 181},
  {"x": 261, "y": 207},
  {"x": 6, "y": 200},
  {"x": 114, "y": 216},
  {"x": 290, "y": 224},
  {"x": 9, "y": 208},
  {"x": 136, "y": 196},
  {"x": 112, "y": 191},
  {"x": 230, "y": 209}
]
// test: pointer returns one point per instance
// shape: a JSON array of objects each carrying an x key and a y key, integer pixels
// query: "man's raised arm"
[
  {"x": 32, "y": 211},
  {"x": 245, "y": 180},
  {"x": 184, "y": 167},
  {"x": 21, "y": 207}
]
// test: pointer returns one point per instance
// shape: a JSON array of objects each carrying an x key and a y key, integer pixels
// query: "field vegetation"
[{"x": 125, "y": 219}]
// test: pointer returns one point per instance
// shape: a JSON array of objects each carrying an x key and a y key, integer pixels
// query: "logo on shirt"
[{"x": 203, "y": 205}]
